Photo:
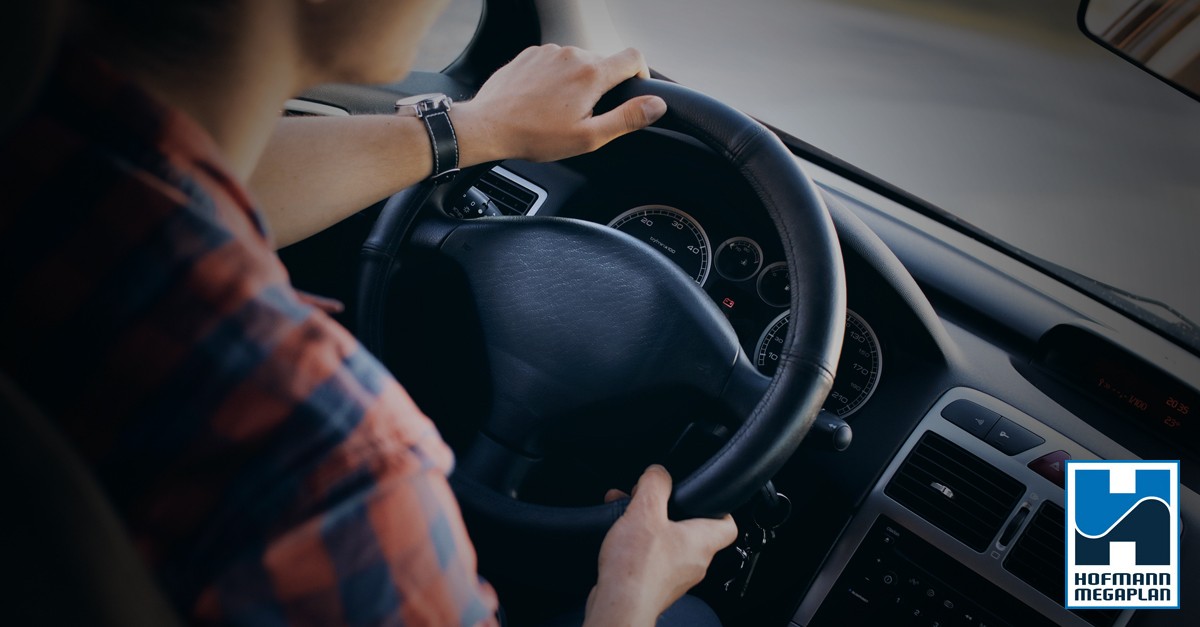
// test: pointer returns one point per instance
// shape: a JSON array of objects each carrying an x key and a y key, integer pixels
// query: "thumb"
[{"x": 630, "y": 116}]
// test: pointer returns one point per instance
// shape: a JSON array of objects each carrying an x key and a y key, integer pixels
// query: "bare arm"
[{"x": 317, "y": 171}]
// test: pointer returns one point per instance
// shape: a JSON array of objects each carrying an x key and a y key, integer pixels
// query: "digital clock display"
[
  {"x": 1152, "y": 398},
  {"x": 1169, "y": 409}
]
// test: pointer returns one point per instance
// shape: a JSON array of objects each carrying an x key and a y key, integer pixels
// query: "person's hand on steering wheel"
[
  {"x": 647, "y": 560},
  {"x": 539, "y": 106}
]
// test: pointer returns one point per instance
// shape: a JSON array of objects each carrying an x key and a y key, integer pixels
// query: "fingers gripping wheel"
[{"x": 578, "y": 356}]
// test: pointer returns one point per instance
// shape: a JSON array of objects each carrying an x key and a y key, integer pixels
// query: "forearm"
[{"x": 316, "y": 172}]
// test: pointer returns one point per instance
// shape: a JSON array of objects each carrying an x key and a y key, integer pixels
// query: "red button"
[{"x": 1052, "y": 466}]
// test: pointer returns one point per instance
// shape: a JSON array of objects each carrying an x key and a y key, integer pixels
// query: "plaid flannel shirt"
[{"x": 267, "y": 467}]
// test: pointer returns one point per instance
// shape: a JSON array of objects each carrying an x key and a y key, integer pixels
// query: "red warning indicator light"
[{"x": 728, "y": 302}]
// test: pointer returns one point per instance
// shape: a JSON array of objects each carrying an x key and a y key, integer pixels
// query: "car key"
[
  {"x": 772, "y": 510},
  {"x": 756, "y": 541}
]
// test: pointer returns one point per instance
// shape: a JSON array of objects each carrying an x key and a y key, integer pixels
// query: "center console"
[{"x": 965, "y": 527}]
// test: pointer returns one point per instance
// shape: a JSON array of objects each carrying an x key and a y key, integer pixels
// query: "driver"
[{"x": 268, "y": 468}]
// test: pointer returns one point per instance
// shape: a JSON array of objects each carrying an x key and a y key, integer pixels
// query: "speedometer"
[
  {"x": 858, "y": 366},
  {"x": 671, "y": 232}
]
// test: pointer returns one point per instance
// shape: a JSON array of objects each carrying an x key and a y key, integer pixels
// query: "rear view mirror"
[{"x": 1160, "y": 36}]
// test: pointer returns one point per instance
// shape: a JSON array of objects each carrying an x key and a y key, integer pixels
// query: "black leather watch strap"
[{"x": 445, "y": 145}]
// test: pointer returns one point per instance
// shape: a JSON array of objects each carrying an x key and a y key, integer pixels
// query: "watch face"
[
  {"x": 412, "y": 100},
  {"x": 423, "y": 103}
]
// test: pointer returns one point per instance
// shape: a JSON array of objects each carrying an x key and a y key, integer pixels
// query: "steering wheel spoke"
[
  {"x": 744, "y": 389},
  {"x": 496, "y": 465}
]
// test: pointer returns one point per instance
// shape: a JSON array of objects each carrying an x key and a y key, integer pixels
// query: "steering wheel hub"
[{"x": 576, "y": 315}]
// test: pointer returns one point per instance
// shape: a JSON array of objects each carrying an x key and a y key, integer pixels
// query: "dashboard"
[{"x": 942, "y": 332}]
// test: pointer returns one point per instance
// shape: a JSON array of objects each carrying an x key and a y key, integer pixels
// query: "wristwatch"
[{"x": 434, "y": 111}]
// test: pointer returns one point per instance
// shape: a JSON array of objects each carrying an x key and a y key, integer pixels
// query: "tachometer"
[
  {"x": 858, "y": 366},
  {"x": 673, "y": 233}
]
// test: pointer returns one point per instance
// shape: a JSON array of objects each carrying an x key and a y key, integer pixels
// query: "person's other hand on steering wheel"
[{"x": 647, "y": 560}]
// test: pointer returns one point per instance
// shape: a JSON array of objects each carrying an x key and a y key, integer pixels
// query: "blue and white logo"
[{"x": 1122, "y": 534}]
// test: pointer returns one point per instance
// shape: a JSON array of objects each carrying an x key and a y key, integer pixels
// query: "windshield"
[{"x": 998, "y": 111}]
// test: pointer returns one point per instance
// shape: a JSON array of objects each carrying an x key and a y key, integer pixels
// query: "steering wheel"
[{"x": 553, "y": 348}]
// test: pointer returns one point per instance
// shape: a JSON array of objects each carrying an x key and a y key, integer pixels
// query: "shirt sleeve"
[
  {"x": 393, "y": 554},
  {"x": 357, "y": 523}
]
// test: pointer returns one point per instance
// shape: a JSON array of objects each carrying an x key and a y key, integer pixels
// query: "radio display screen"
[{"x": 1142, "y": 393}]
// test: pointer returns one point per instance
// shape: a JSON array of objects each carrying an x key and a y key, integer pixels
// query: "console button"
[
  {"x": 975, "y": 419},
  {"x": 1011, "y": 438},
  {"x": 1052, "y": 466}
]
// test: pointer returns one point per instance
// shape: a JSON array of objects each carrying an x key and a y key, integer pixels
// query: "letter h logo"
[
  {"x": 1120, "y": 506},
  {"x": 1122, "y": 534}
]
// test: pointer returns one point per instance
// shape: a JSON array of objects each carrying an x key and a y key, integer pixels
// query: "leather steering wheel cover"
[
  {"x": 810, "y": 352},
  {"x": 773, "y": 431},
  {"x": 377, "y": 259}
]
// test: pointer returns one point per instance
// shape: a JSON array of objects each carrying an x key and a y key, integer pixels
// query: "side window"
[{"x": 449, "y": 36}]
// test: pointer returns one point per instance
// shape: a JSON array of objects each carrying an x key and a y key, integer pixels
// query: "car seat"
[{"x": 68, "y": 559}]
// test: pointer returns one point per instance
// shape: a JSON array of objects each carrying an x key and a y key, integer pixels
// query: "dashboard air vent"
[
  {"x": 961, "y": 494},
  {"x": 513, "y": 195},
  {"x": 1039, "y": 559}
]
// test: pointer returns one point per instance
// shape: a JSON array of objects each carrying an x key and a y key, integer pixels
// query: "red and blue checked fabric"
[{"x": 268, "y": 468}]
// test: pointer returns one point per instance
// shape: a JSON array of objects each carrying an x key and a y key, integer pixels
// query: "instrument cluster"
[{"x": 754, "y": 295}]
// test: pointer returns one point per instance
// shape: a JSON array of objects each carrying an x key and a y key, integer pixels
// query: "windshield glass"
[{"x": 998, "y": 111}]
